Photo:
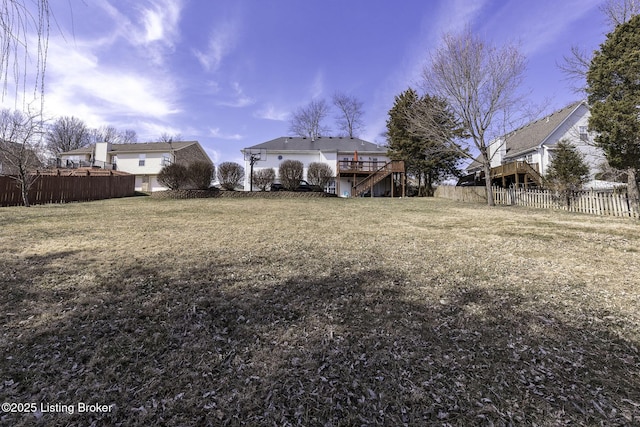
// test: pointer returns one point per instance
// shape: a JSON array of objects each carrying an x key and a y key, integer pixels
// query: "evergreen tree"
[
  {"x": 567, "y": 171},
  {"x": 613, "y": 86},
  {"x": 428, "y": 155}
]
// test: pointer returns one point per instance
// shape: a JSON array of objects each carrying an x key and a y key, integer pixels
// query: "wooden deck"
[
  {"x": 366, "y": 174},
  {"x": 517, "y": 173}
]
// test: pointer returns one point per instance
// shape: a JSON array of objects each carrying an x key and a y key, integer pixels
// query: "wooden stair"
[{"x": 375, "y": 177}]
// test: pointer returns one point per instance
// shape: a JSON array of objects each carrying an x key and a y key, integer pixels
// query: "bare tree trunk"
[
  {"x": 25, "y": 181},
  {"x": 487, "y": 183},
  {"x": 25, "y": 196},
  {"x": 428, "y": 182}
]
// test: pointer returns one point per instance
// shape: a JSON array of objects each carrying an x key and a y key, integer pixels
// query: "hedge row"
[{"x": 200, "y": 194}]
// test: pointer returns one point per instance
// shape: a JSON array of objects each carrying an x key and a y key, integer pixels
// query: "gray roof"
[
  {"x": 535, "y": 133},
  {"x": 325, "y": 143},
  {"x": 138, "y": 147},
  {"x": 532, "y": 135}
]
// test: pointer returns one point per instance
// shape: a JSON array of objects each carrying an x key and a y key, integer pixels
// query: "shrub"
[
  {"x": 567, "y": 171},
  {"x": 319, "y": 174},
  {"x": 174, "y": 176},
  {"x": 264, "y": 178},
  {"x": 200, "y": 174},
  {"x": 290, "y": 173},
  {"x": 230, "y": 174}
]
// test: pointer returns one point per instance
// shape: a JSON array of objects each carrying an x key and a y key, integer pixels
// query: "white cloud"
[
  {"x": 317, "y": 86},
  {"x": 239, "y": 98},
  {"x": 212, "y": 87},
  {"x": 539, "y": 28},
  {"x": 152, "y": 130},
  {"x": 215, "y": 133},
  {"x": 151, "y": 26},
  {"x": 214, "y": 155},
  {"x": 221, "y": 41},
  {"x": 270, "y": 112},
  {"x": 76, "y": 78},
  {"x": 160, "y": 21}
]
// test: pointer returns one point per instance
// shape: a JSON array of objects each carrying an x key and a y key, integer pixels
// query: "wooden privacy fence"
[
  {"x": 60, "y": 186},
  {"x": 462, "y": 194},
  {"x": 612, "y": 203}
]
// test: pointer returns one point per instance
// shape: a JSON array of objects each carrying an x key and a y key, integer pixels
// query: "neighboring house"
[
  {"x": 144, "y": 160},
  {"x": 359, "y": 167},
  {"x": 522, "y": 157},
  {"x": 14, "y": 155}
]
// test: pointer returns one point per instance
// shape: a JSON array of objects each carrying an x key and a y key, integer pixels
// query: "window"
[
  {"x": 141, "y": 159},
  {"x": 166, "y": 159},
  {"x": 529, "y": 158},
  {"x": 584, "y": 134},
  {"x": 331, "y": 187}
]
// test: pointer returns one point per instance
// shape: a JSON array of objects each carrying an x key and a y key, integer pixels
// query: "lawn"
[{"x": 317, "y": 312}]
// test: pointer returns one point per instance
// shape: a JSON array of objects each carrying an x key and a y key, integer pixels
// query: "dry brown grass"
[{"x": 319, "y": 312}]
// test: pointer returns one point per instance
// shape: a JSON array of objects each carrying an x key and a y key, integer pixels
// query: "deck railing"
[
  {"x": 513, "y": 168},
  {"x": 378, "y": 175},
  {"x": 71, "y": 164},
  {"x": 356, "y": 166}
]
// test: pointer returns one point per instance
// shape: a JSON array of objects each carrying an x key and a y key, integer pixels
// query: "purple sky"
[{"x": 229, "y": 73}]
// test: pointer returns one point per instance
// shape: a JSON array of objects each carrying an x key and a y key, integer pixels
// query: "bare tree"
[
  {"x": 20, "y": 20},
  {"x": 127, "y": 136},
  {"x": 104, "y": 134},
  {"x": 66, "y": 134},
  {"x": 113, "y": 135},
  {"x": 349, "y": 118},
  {"x": 167, "y": 137},
  {"x": 20, "y": 135},
  {"x": 576, "y": 64},
  {"x": 617, "y": 12},
  {"x": 307, "y": 121},
  {"x": 479, "y": 83}
]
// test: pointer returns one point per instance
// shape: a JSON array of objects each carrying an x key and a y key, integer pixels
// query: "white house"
[
  {"x": 522, "y": 156},
  {"x": 144, "y": 160},
  {"x": 359, "y": 167}
]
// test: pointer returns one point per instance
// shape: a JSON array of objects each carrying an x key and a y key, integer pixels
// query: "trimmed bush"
[
  {"x": 319, "y": 174},
  {"x": 200, "y": 174},
  {"x": 230, "y": 174},
  {"x": 290, "y": 173},
  {"x": 263, "y": 178},
  {"x": 174, "y": 176}
]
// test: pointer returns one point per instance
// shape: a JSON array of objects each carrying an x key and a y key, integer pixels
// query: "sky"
[{"x": 229, "y": 74}]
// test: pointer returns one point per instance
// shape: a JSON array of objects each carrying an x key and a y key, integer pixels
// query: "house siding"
[
  {"x": 540, "y": 150},
  {"x": 127, "y": 159},
  {"x": 343, "y": 185},
  {"x": 191, "y": 154}
]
